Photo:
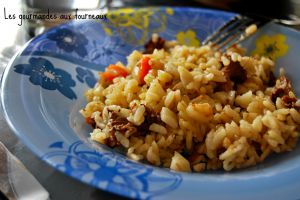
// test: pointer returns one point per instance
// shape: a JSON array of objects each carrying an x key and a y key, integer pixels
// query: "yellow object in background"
[{"x": 271, "y": 46}]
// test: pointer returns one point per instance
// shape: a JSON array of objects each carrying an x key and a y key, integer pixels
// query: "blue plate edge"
[{"x": 27, "y": 143}]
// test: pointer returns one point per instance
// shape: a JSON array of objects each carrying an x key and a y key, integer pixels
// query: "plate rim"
[{"x": 17, "y": 132}]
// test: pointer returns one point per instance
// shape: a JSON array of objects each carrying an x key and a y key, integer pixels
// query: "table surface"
[{"x": 12, "y": 38}]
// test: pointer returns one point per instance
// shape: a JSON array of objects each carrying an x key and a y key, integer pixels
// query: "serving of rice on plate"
[{"x": 193, "y": 108}]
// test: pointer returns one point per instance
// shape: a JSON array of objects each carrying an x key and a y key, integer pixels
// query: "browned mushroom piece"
[
  {"x": 120, "y": 124},
  {"x": 154, "y": 44},
  {"x": 150, "y": 117},
  {"x": 235, "y": 74},
  {"x": 282, "y": 90},
  {"x": 127, "y": 128}
]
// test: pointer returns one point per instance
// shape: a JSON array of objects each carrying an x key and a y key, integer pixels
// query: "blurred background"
[{"x": 13, "y": 37}]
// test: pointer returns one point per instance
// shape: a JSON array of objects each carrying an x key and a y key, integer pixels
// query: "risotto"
[{"x": 193, "y": 108}]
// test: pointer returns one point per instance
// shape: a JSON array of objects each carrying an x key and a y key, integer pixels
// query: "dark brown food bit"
[
  {"x": 150, "y": 45},
  {"x": 150, "y": 117},
  {"x": 112, "y": 141},
  {"x": 257, "y": 147},
  {"x": 289, "y": 101},
  {"x": 235, "y": 72},
  {"x": 221, "y": 150},
  {"x": 281, "y": 89},
  {"x": 121, "y": 124},
  {"x": 117, "y": 123},
  {"x": 90, "y": 121},
  {"x": 226, "y": 86},
  {"x": 272, "y": 79},
  {"x": 185, "y": 152}
]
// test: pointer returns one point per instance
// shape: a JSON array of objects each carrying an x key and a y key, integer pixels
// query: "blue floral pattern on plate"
[
  {"x": 42, "y": 72},
  {"x": 117, "y": 173},
  {"x": 69, "y": 41},
  {"x": 86, "y": 76}
]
